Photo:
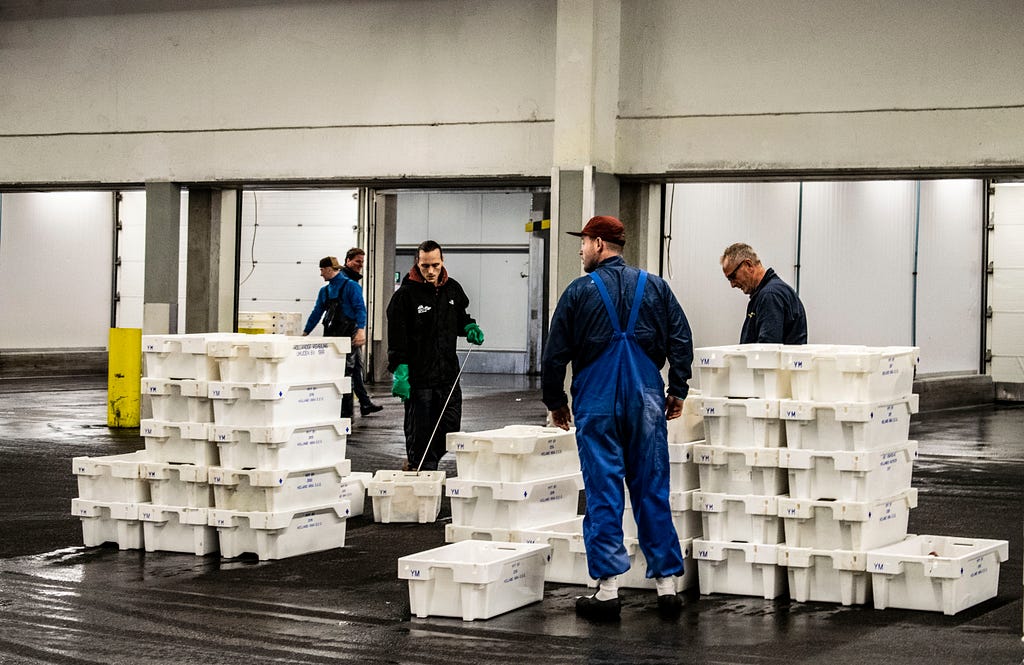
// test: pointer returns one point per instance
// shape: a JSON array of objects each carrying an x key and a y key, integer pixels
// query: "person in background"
[
  {"x": 353, "y": 269},
  {"x": 426, "y": 316},
  {"x": 617, "y": 326},
  {"x": 775, "y": 314}
]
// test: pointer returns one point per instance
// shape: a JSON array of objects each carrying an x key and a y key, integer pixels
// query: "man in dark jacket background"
[
  {"x": 426, "y": 316},
  {"x": 775, "y": 314},
  {"x": 353, "y": 269}
]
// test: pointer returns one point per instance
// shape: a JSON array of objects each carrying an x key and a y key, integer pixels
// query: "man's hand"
[
  {"x": 562, "y": 417},
  {"x": 359, "y": 339},
  {"x": 400, "y": 384},
  {"x": 473, "y": 334},
  {"x": 673, "y": 407}
]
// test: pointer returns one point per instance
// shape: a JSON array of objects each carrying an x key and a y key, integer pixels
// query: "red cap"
[{"x": 606, "y": 228}]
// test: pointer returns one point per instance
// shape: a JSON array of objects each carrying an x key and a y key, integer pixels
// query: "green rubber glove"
[
  {"x": 400, "y": 384},
  {"x": 473, "y": 334}
]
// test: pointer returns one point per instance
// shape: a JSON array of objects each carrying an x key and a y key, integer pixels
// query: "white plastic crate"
[
  {"x": 685, "y": 519},
  {"x": 305, "y": 446},
  {"x": 514, "y": 505},
  {"x": 742, "y": 423},
  {"x": 276, "y": 323},
  {"x": 276, "y": 490},
  {"x": 179, "y": 442},
  {"x": 688, "y": 427},
  {"x": 109, "y": 522},
  {"x": 177, "y": 529},
  {"x": 826, "y": 576},
  {"x": 835, "y": 373},
  {"x": 277, "y": 404},
  {"x": 282, "y": 534},
  {"x": 406, "y": 496},
  {"x": 746, "y": 518},
  {"x": 353, "y": 490},
  {"x": 936, "y": 573},
  {"x": 178, "y": 400},
  {"x": 474, "y": 579},
  {"x": 849, "y": 475},
  {"x": 567, "y": 558},
  {"x": 742, "y": 370},
  {"x": 682, "y": 469},
  {"x": 739, "y": 470},
  {"x": 115, "y": 478},
  {"x": 180, "y": 356},
  {"x": 744, "y": 569},
  {"x": 847, "y": 426},
  {"x": 636, "y": 576},
  {"x": 279, "y": 359},
  {"x": 453, "y": 534},
  {"x": 515, "y": 453},
  {"x": 184, "y": 485},
  {"x": 846, "y": 525}
]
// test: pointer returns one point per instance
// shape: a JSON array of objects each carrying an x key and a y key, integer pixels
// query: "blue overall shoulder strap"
[
  {"x": 641, "y": 282},
  {"x": 612, "y": 314}
]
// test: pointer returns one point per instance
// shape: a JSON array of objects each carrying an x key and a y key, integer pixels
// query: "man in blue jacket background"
[{"x": 775, "y": 314}]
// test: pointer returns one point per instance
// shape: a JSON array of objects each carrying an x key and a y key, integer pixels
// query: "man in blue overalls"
[{"x": 617, "y": 326}]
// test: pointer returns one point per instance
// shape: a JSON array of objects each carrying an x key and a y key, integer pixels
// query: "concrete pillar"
[
  {"x": 381, "y": 253},
  {"x": 210, "y": 279},
  {"x": 160, "y": 292}
]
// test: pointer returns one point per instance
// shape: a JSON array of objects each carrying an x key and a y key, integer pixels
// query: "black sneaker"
[
  {"x": 589, "y": 607},
  {"x": 670, "y": 605},
  {"x": 367, "y": 409}
]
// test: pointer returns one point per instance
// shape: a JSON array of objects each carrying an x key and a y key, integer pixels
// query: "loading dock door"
[{"x": 1006, "y": 283}]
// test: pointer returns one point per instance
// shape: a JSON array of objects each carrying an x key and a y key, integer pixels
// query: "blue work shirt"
[
  {"x": 352, "y": 304},
  {"x": 775, "y": 314},
  {"x": 580, "y": 329}
]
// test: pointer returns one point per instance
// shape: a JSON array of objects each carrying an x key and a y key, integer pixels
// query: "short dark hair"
[
  {"x": 353, "y": 253},
  {"x": 428, "y": 246}
]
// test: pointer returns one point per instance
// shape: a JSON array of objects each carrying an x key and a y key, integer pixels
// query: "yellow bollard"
[{"x": 124, "y": 377}]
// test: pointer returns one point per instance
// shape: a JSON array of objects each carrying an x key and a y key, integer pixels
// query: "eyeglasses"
[{"x": 732, "y": 276}]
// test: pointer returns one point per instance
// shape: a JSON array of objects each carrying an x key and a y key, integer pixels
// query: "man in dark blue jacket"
[
  {"x": 775, "y": 314},
  {"x": 617, "y": 326}
]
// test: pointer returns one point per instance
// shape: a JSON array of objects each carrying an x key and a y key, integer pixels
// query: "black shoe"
[
  {"x": 670, "y": 605},
  {"x": 589, "y": 607},
  {"x": 367, "y": 409}
]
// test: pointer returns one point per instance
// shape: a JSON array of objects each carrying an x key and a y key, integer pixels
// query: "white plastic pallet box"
[
  {"x": 114, "y": 478},
  {"x": 177, "y": 529},
  {"x": 353, "y": 490},
  {"x": 453, "y": 534},
  {"x": 514, "y": 505},
  {"x": 636, "y": 576},
  {"x": 304, "y": 446},
  {"x": 742, "y": 423},
  {"x": 748, "y": 518},
  {"x": 685, "y": 519},
  {"x": 109, "y": 522},
  {"x": 688, "y": 427},
  {"x": 846, "y": 525},
  {"x": 742, "y": 370},
  {"x": 567, "y": 558},
  {"x": 282, "y": 534},
  {"x": 826, "y": 576},
  {"x": 682, "y": 469},
  {"x": 740, "y": 470},
  {"x": 277, "y": 404},
  {"x": 936, "y": 573},
  {"x": 847, "y": 425},
  {"x": 276, "y": 490},
  {"x": 280, "y": 359},
  {"x": 178, "y": 400},
  {"x": 180, "y": 356},
  {"x": 744, "y": 569},
  {"x": 179, "y": 442},
  {"x": 836, "y": 373},
  {"x": 515, "y": 453},
  {"x": 474, "y": 579},
  {"x": 406, "y": 496},
  {"x": 849, "y": 475},
  {"x": 184, "y": 485}
]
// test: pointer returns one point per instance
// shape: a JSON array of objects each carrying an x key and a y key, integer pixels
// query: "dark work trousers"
[
  {"x": 354, "y": 370},
  {"x": 422, "y": 410}
]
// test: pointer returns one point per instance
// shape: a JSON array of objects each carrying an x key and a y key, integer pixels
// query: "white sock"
[
  {"x": 607, "y": 588},
  {"x": 666, "y": 586}
]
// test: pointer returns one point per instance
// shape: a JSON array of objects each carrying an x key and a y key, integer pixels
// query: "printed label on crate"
[
  {"x": 312, "y": 349},
  {"x": 516, "y": 573}
]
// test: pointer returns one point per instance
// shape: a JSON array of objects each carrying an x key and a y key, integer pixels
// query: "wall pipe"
[
  {"x": 115, "y": 259},
  {"x": 799, "y": 235},
  {"x": 917, "y": 240}
]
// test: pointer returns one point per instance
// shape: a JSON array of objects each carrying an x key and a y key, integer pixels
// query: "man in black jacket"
[
  {"x": 426, "y": 316},
  {"x": 775, "y": 314},
  {"x": 353, "y": 269}
]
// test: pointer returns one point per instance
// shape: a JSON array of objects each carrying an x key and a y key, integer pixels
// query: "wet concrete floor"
[{"x": 65, "y": 604}]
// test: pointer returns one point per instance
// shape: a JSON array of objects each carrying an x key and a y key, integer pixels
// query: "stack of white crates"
[
  {"x": 245, "y": 452},
  {"x": 274, "y": 323}
]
